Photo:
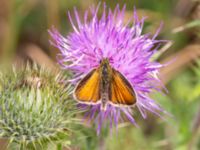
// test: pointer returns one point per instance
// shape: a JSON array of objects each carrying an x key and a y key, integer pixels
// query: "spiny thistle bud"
[{"x": 35, "y": 108}]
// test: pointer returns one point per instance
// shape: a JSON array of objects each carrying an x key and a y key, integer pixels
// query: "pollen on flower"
[{"x": 128, "y": 51}]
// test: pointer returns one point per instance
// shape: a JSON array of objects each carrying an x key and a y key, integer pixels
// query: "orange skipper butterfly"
[{"x": 105, "y": 85}]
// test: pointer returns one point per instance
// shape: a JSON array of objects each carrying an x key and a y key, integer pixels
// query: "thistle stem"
[{"x": 59, "y": 146}]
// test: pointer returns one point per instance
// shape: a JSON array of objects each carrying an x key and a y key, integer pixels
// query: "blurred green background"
[{"x": 24, "y": 37}]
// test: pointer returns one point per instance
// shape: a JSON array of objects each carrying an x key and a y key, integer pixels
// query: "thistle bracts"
[{"x": 35, "y": 108}]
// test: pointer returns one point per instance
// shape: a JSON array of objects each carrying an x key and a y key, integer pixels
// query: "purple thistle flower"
[{"x": 128, "y": 51}]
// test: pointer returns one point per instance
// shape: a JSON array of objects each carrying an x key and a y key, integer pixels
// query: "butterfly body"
[
  {"x": 105, "y": 79},
  {"x": 105, "y": 85}
]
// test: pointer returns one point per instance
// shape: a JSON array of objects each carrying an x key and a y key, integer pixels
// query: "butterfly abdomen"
[{"x": 104, "y": 100}]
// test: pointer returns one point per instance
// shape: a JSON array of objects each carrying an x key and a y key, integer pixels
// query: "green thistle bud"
[{"x": 35, "y": 108}]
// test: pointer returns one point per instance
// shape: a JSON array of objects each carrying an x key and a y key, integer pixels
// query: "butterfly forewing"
[
  {"x": 87, "y": 90},
  {"x": 121, "y": 91},
  {"x": 105, "y": 84}
]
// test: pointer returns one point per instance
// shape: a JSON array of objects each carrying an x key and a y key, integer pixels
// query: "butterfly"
[{"x": 105, "y": 85}]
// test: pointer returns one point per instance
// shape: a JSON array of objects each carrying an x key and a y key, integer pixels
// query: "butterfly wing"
[
  {"x": 87, "y": 90},
  {"x": 121, "y": 91}
]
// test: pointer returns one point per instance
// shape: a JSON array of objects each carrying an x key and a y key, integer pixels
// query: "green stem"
[{"x": 59, "y": 146}]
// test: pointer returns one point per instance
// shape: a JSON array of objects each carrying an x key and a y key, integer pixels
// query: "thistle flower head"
[
  {"x": 127, "y": 49},
  {"x": 34, "y": 108}
]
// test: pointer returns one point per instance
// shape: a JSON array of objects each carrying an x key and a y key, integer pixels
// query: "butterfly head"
[{"x": 104, "y": 61}]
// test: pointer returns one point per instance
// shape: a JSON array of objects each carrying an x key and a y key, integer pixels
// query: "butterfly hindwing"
[
  {"x": 88, "y": 89},
  {"x": 91, "y": 89},
  {"x": 121, "y": 91}
]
